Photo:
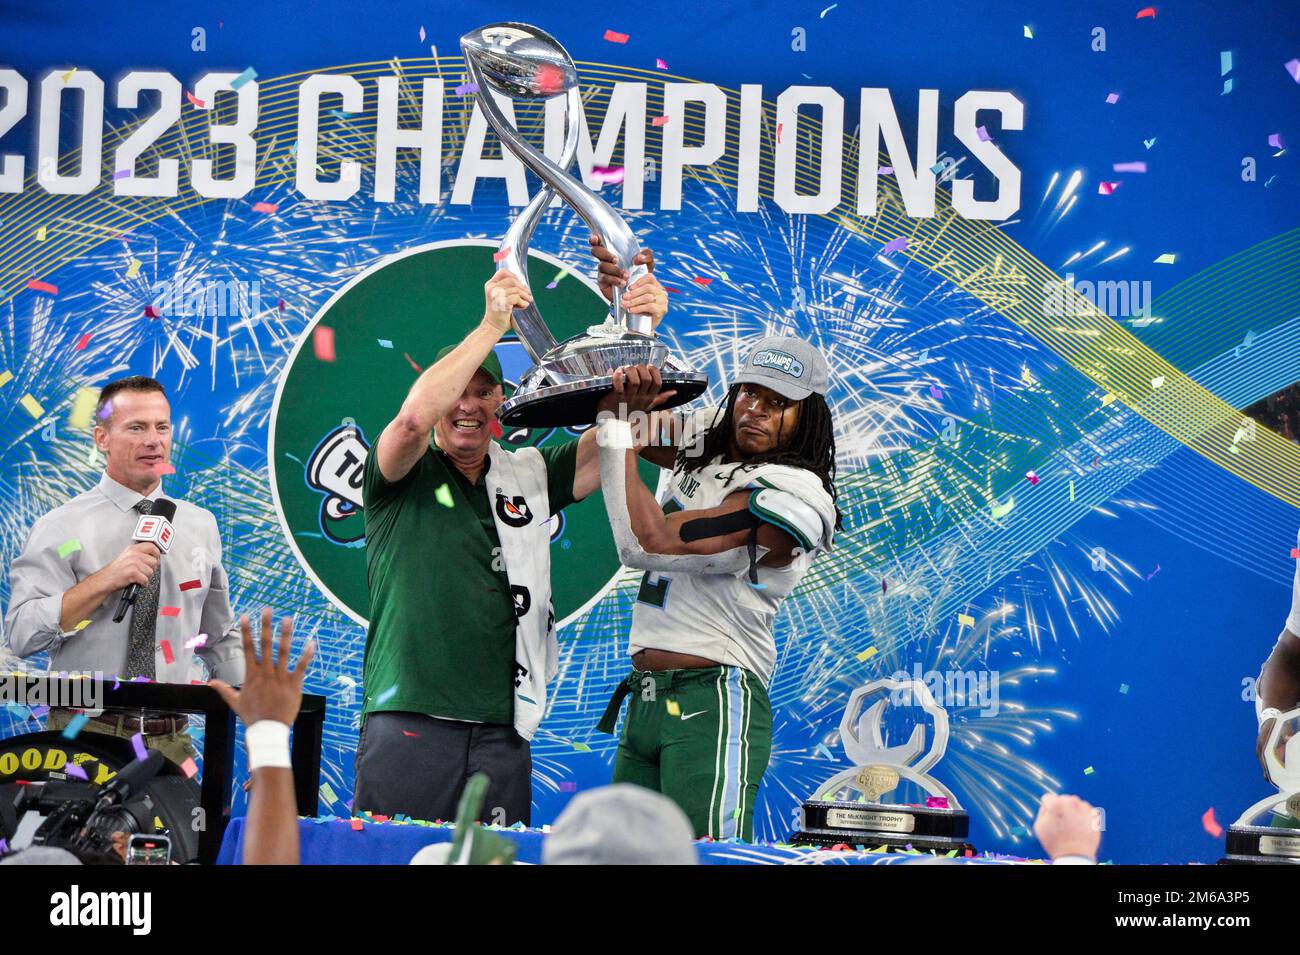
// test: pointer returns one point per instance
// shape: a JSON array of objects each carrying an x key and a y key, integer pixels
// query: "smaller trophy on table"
[
  {"x": 850, "y": 808},
  {"x": 1252, "y": 839}
]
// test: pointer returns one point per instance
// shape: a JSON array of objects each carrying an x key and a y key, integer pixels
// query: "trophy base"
[
  {"x": 566, "y": 384},
  {"x": 873, "y": 825},
  {"x": 1262, "y": 845}
]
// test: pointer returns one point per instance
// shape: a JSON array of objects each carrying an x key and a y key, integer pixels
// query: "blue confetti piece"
[
  {"x": 387, "y": 695},
  {"x": 526, "y": 699},
  {"x": 75, "y": 726},
  {"x": 242, "y": 78},
  {"x": 384, "y": 343}
]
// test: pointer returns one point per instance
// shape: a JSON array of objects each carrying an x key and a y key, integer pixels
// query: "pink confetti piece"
[
  {"x": 169, "y": 612},
  {"x": 1107, "y": 188},
  {"x": 465, "y": 89},
  {"x": 38, "y": 286},
  {"x": 198, "y": 641},
  {"x": 983, "y": 134},
  {"x": 660, "y": 64},
  {"x": 936, "y": 802},
  {"x": 76, "y": 772},
  {"x": 137, "y": 743},
  {"x": 1293, "y": 67},
  {"x": 195, "y": 101},
  {"x": 266, "y": 208},
  {"x": 168, "y": 656},
  {"x": 1275, "y": 140},
  {"x": 495, "y": 429},
  {"x": 615, "y": 37},
  {"x": 659, "y": 121},
  {"x": 322, "y": 341},
  {"x": 1295, "y": 552},
  {"x": 421, "y": 34},
  {"x": 935, "y": 393},
  {"x": 672, "y": 291},
  {"x": 568, "y": 787},
  {"x": 418, "y": 369},
  {"x": 189, "y": 768},
  {"x": 1146, "y": 13},
  {"x": 82, "y": 342},
  {"x": 1210, "y": 824},
  {"x": 895, "y": 245},
  {"x": 151, "y": 311},
  {"x": 1032, "y": 478},
  {"x": 498, "y": 256},
  {"x": 608, "y": 174},
  {"x": 700, "y": 280},
  {"x": 1130, "y": 167},
  {"x": 1112, "y": 98},
  {"x": 192, "y": 584},
  {"x": 357, "y": 824},
  {"x": 163, "y": 469},
  {"x": 779, "y": 127}
]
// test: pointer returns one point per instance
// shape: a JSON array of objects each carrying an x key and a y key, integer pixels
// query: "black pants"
[{"x": 416, "y": 765}]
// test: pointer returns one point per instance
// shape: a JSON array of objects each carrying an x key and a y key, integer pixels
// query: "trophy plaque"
[
  {"x": 1268, "y": 833},
  {"x": 568, "y": 378},
  {"x": 850, "y": 808}
]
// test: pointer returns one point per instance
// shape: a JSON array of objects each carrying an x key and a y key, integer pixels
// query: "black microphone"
[
  {"x": 155, "y": 527},
  {"x": 133, "y": 778}
]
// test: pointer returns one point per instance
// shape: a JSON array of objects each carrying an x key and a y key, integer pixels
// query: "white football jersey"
[{"x": 723, "y": 616}]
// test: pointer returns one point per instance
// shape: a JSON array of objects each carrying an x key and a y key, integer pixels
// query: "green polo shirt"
[{"x": 442, "y": 623}]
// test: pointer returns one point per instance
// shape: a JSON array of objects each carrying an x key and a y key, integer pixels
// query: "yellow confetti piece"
[
  {"x": 32, "y": 406},
  {"x": 82, "y": 626},
  {"x": 1167, "y": 259},
  {"x": 1158, "y": 382},
  {"x": 867, "y": 654},
  {"x": 674, "y": 709},
  {"x": 40, "y": 234},
  {"x": 83, "y": 408},
  {"x": 1072, "y": 490},
  {"x": 328, "y": 794},
  {"x": 443, "y": 496},
  {"x": 582, "y": 747},
  {"x": 68, "y": 75},
  {"x": 1002, "y": 510},
  {"x": 966, "y": 620},
  {"x": 1029, "y": 34},
  {"x": 6, "y": 377},
  {"x": 1089, "y": 771},
  {"x": 68, "y": 548},
  {"x": 1106, "y": 399},
  {"x": 133, "y": 269}
]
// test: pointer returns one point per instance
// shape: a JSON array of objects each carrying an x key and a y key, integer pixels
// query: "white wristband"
[
  {"x": 1269, "y": 713},
  {"x": 268, "y": 745},
  {"x": 613, "y": 432}
]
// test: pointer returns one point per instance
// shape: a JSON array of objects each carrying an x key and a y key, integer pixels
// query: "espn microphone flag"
[{"x": 155, "y": 528}]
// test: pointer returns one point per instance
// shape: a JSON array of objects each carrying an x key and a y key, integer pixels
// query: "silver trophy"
[
  {"x": 567, "y": 378},
  {"x": 1269, "y": 831},
  {"x": 849, "y": 807}
]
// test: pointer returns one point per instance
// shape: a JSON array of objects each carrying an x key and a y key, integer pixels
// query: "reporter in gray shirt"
[{"x": 65, "y": 585}]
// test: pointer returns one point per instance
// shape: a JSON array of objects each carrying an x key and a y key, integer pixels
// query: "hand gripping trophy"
[
  {"x": 568, "y": 378},
  {"x": 1250, "y": 839},
  {"x": 848, "y": 808}
]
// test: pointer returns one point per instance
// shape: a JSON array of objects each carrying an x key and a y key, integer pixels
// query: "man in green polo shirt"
[{"x": 443, "y": 678}]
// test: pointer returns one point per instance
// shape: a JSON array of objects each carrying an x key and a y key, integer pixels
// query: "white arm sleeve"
[{"x": 614, "y": 438}]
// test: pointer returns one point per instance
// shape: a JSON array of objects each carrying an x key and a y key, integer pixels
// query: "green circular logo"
[{"x": 386, "y": 325}]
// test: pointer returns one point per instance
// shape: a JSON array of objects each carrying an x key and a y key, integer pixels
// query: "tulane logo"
[
  {"x": 388, "y": 323},
  {"x": 513, "y": 511},
  {"x": 779, "y": 360}
]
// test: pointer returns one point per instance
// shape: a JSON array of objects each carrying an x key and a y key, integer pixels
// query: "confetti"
[
  {"x": 322, "y": 341},
  {"x": 40, "y": 234},
  {"x": 443, "y": 496},
  {"x": 827, "y": 10},
  {"x": 673, "y": 708},
  {"x": 660, "y": 64},
  {"x": 1033, "y": 478},
  {"x": 867, "y": 654},
  {"x": 137, "y": 742},
  {"x": 121, "y": 174},
  {"x": 1002, "y": 510},
  {"x": 1227, "y": 86},
  {"x": 494, "y": 428},
  {"x": 936, "y": 802},
  {"x": 1293, "y": 67},
  {"x": 1029, "y": 34},
  {"x": 1295, "y": 552},
  {"x": 198, "y": 641},
  {"x": 82, "y": 342},
  {"x": 1107, "y": 188},
  {"x": 151, "y": 311},
  {"x": 965, "y": 619},
  {"x": 699, "y": 280},
  {"x": 465, "y": 89},
  {"x": 387, "y": 695},
  {"x": 895, "y": 245},
  {"x": 75, "y": 726},
  {"x": 1130, "y": 167},
  {"x": 1146, "y": 12},
  {"x": 242, "y": 78},
  {"x": 357, "y": 824},
  {"x": 1123, "y": 688},
  {"x": 1112, "y": 98},
  {"x": 1225, "y": 62},
  {"x": 266, "y": 208},
  {"x": 189, "y": 768},
  {"x": 418, "y": 369},
  {"x": 169, "y": 611},
  {"x": 1106, "y": 399},
  {"x": 1275, "y": 140},
  {"x": 612, "y": 175},
  {"x": 32, "y": 406},
  {"x": 1210, "y": 824},
  {"x": 1072, "y": 490},
  {"x": 614, "y": 37},
  {"x": 81, "y": 626},
  {"x": 38, "y": 286},
  {"x": 72, "y": 769},
  {"x": 194, "y": 100},
  {"x": 69, "y": 547},
  {"x": 983, "y": 134},
  {"x": 163, "y": 469},
  {"x": 1088, "y": 771},
  {"x": 498, "y": 256},
  {"x": 192, "y": 584},
  {"x": 1158, "y": 382},
  {"x": 1148, "y": 143},
  {"x": 410, "y": 735},
  {"x": 885, "y": 171},
  {"x": 5, "y": 378},
  {"x": 421, "y": 40},
  {"x": 568, "y": 787},
  {"x": 1166, "y": 259},
  {"x": 935, "y": 393},
  {"x": 68, "y": 75},
  {"x": 659, "y": 121},
  {"x": 582, "y": 747},
  {"x": 822, "y": 750}
]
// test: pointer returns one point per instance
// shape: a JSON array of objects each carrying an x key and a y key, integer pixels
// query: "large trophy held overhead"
[
  {"x": 1269, "y": 831},
  {"x": 567, "y": 378}
]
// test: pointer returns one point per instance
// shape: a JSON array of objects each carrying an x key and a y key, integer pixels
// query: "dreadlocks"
[{"x": 812, "y": 446}]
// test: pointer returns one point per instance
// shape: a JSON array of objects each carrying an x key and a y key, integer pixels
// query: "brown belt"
[{"x": 157, "y": 724}]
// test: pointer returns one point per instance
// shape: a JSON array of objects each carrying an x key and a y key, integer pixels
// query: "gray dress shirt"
[{"x": 83, "y": 536}]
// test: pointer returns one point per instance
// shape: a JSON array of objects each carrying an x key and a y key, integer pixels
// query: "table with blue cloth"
[{"x": 334, "y": 841}]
